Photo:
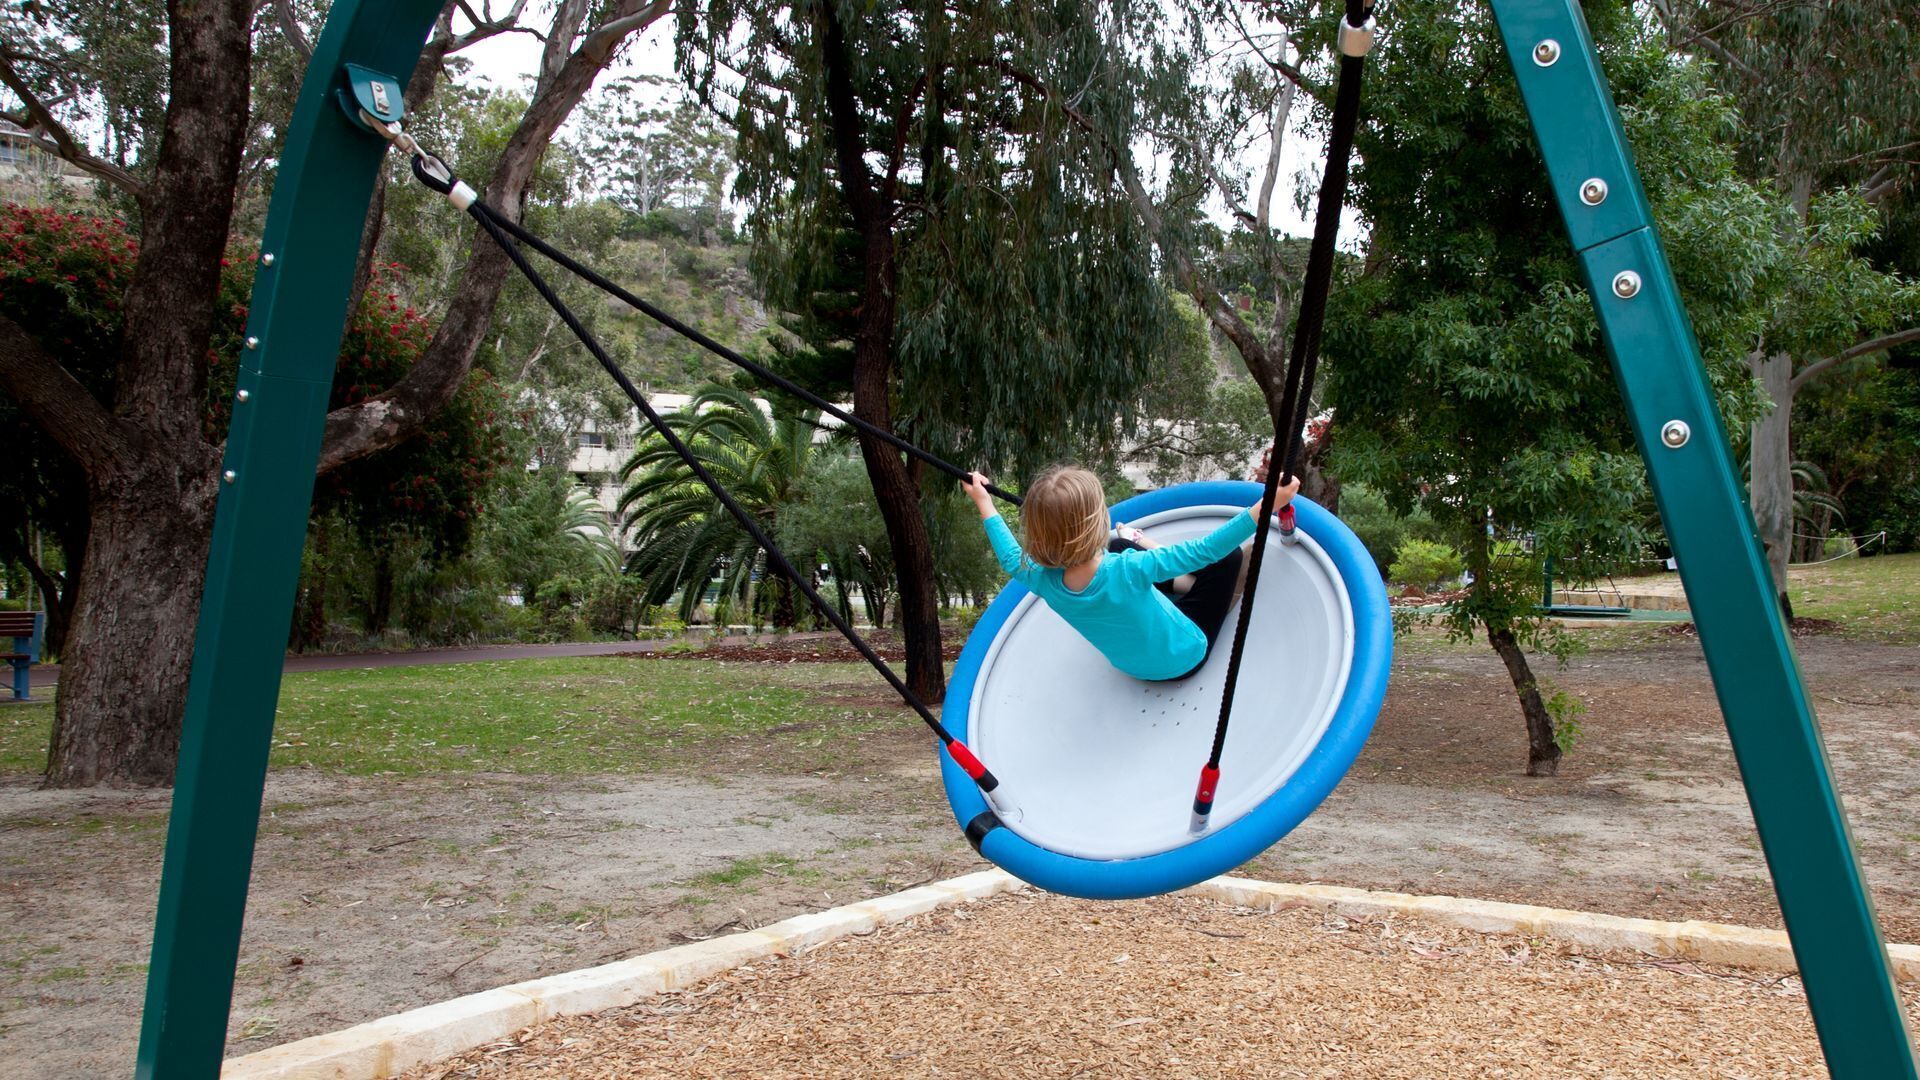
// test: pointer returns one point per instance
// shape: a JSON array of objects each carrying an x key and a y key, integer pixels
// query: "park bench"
[{"x": 25, "y": 628}]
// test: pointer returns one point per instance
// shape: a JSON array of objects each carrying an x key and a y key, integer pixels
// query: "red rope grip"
[
  {"x": 1285, "y": 514},
  {"x": 1203, "y": 797},
  {"x": 964, "y": 758}
]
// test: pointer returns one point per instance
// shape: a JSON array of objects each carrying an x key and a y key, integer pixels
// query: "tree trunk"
[
  {"x": 918, "y": 612},
  {"x": 56, "y": 594},
  {"x": 310, "y": 607},
  {"x": 123, "y": 678},
  {"x": 150, "y": 472},
  {"x": 1316, "y": 482},
  {"x": 380, "y": 607},
  {"x": 1771, "y": 485},
  {"x": 1543, "y": 754}
]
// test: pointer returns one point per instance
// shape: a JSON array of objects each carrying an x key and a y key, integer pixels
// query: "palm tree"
[
  {"x": 682, "y": 536},
  {"x": 1815, "y": 509},
  {"x": 583, "y": 522}
]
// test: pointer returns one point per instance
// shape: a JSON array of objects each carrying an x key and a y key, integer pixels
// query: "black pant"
[{"x": 1206, "y": 603}]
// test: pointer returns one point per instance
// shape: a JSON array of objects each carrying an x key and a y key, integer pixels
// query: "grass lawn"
[
  {"x": 613, "y": 715},
  {"x": 1876, "y": 597},
  {"x": 553, "y": 717}
]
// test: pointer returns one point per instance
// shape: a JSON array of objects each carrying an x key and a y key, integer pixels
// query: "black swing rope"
[
  {"x": 1301, "y": 365},
  {"x": 509, "y": 235},
  {"x": 759, "y": 371},
  {"x": 495, "y": 226}
]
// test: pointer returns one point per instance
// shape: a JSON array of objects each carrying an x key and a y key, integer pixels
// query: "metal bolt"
[
  {"x": 1626, "y": 284},
  {"x": 242, "y": 396},
  {"x": 266, "y": 259},
  {"x": 1593, "y": 192},
  {"x": 229, "y": 476},
  {"x": 1546, "y": 52},
  {"x": 1675, "y": 434},
  {"x": 253, "y": 343}
]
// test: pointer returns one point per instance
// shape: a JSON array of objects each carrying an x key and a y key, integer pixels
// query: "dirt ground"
[
  {"x": 1040, "y": 986},
  {"x": 375, "y": 895}
]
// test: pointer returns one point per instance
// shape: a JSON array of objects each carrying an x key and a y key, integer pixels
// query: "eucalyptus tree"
[
  {"x": 1007, "y": 308},
  {"x": 649, "y": 154},
  {"x": 1216, "y": 83},
  {"x": 1466, "y": 367},
  {"x": 1830, "y": 123},
  {"x": 155, "y": 101}
]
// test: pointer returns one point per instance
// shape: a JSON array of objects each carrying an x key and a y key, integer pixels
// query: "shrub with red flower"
[{"x": 62, "y": 278}]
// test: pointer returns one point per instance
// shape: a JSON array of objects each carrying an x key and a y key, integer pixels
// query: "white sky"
[{"x": 508, "y": 61}]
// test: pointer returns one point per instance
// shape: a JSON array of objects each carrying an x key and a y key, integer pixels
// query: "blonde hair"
[{"x": 1064, "y": 517}]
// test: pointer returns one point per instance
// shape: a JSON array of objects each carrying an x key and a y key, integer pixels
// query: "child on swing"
[{"x": 1154, "y": 612}]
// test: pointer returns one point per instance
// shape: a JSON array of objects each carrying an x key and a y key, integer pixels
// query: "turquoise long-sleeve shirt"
[{"x": 1120, "y": 613}]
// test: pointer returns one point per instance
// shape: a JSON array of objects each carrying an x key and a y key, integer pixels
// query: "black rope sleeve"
[
  {"x": 759, "y": 371},
  {"x": 493, "y": 223},
  {"x": 1305, "y": 356}
]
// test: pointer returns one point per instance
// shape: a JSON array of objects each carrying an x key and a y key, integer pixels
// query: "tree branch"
[
  {"x": 900, "y": 123},
  {"x": 52, "y": 136},
  {"x": 488, "y": 28},
  {"x": 290, "y": 26},
  {"x": 616, "y": 30},
  {"x": 56, "y": 402},
  {"x": 1683, "y": 36},
  {"x": 394, "y": 415},
  {"x": 1281, "y": 112},
  {"x": 1887, "y": 181},
  {"x": 1866, "y": 348}
]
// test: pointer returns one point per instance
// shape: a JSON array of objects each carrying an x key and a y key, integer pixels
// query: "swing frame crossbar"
[{"x": 320, "y": 200}]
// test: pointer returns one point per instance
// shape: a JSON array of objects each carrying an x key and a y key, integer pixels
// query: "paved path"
[{"x": 44, "y": 677}]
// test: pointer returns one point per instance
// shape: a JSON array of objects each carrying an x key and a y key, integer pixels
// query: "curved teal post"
[
  {"x": 1769, "y": 717},
  {"x": 320, "y": 198}
]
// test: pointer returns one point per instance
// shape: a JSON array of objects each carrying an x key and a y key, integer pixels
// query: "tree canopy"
[{"x": 1465, "y": 365}]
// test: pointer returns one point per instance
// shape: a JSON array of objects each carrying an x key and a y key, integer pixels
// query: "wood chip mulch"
[{"x": 1043, "y": 986}]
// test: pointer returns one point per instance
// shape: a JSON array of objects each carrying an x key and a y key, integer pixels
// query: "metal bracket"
[{"x": 376, "y": 93}]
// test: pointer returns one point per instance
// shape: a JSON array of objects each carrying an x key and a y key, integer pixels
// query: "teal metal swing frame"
[{"x": 320, "y": 200}]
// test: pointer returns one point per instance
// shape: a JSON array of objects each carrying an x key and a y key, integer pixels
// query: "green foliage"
[
  {"x": 61, "y": 279},
  {"x": 433, "y": 483},
  {"x": 1379, "y": 527},
  {"x": 835, "y": 523},
  {"x": 616, "y": 604},
  {"x": 964, "y": 564},
  {"x": 541, "y": 529},
  {"x": 683, "y": 538},
  {"x": 1196, "y": 423},
  {"x": 1028, "y": 314},
  {"x": 1465, "y": 363},
  {"x": 108, "y": 62},
  {"x": 1506, "y": 595},
  {"x": 1424, "y": 563},
  {"x": 1817, "y": 84},
  {"x": 1566, "y": 711},
  {"x": 1861, "y": 428},
  {"x": 651, "y": 155}
]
